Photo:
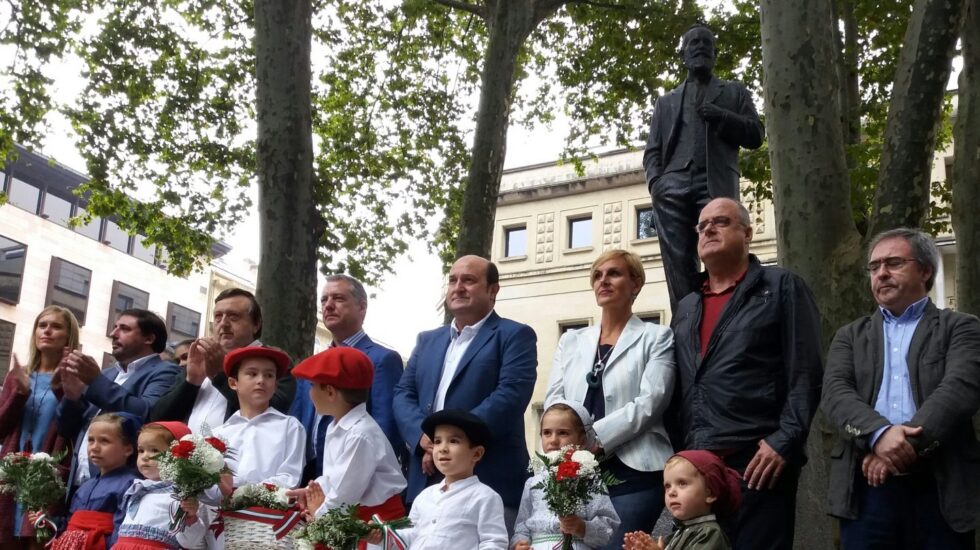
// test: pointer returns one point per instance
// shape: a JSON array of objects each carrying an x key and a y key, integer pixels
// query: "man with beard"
[
  {"x": 132, "y": 385},
  {"x": 692, "y": 155}
]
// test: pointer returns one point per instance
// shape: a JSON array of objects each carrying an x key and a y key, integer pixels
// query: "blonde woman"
[
  {"x": 28, "y": 401},
  {"x": 622, "y": 371}
]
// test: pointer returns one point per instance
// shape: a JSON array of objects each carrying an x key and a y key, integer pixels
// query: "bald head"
[{"x": 472, "y": 289}]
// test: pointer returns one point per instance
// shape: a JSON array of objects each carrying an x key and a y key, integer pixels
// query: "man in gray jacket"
[{"x": 901, "y": 386}]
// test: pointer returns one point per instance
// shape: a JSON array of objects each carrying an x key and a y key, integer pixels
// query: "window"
[
  {"x": 644, "y": 223},
  {"x": 116, "y": 237},
  {"x": 515, "y": 241},
  {"x": 571, "y": 325},
  {"x": 142, "y": 251},
  {"x": 6, "y": 345},
  {"x": 653, "y": 318},
  {"x": 23, "y": 195},
  {"x": 12, "y": 256},
  {"x": 68, "y": 287},
  {"x": 92, "y": 228},
  {"x": 579, "y": 232},
  {"x": 182, "y": 323},
  {"x": 125, "y": 297},
  {"x": 56, "y": 209}
]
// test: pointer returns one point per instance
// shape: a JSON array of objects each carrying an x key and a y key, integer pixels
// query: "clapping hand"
[
  {"x": 71, "y": 385},
  {"x": 83, "y": 366},
  {"x": 196, "y": 367},
  {"x": 18, "y": 377},
  {"x": 638, "y": 540}
]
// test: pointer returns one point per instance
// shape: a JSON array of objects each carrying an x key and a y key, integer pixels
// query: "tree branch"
[
  {"x": 465, "y": 6},
  {"x": 594, "y": 4}
]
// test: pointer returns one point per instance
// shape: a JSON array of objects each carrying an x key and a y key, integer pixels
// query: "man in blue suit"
[
  {"x": 343, "y": 306},
  {"x": 132, "y": 385},
  {"x": 481, "y": 363}
]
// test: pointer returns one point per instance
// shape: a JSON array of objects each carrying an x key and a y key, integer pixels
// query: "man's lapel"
[
  {"x": 485, "y": 334},
  {"x": 923, "y": 331},
  {"x": 434, "y": 360}
]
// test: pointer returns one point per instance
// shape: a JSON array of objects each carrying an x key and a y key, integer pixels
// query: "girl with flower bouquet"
[
  {"x": 96, "y": 510},
  {"x": 567, "y": 481},
  {"x": 148, "y": 503},
  {"x": 28, "y": 403}
]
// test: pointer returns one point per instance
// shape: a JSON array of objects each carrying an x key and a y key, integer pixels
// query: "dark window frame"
[
  {"x": 114, "y": 311},
  {"x": 507, "y": 235},
  {"x": 20, "y": 287},
  {"x": 6, "y": 351},
  {"x": 171, "y": 307},
  {"x": 56, "y": 264},
  {"x": 640, "y": 226},
  {"x": 571, "y": 233}
]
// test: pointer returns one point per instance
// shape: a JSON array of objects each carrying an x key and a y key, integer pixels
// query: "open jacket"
[
  {"x": 944, "y": 372},
  {"x": 760, "y": 376}
]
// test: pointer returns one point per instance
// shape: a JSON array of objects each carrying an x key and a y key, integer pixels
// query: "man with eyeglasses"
[
  {"x": 748, "y": 353},
  {"x": 901, "y": 387}
]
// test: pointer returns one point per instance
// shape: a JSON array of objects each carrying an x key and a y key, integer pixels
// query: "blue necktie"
[{"x": 321, "y": 435}]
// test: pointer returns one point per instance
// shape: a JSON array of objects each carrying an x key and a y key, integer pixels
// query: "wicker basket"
[{"x": 249, "y": 534}]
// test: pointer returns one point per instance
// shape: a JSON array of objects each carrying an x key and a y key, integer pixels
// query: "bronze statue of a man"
[{"x": 692, "y": 155}]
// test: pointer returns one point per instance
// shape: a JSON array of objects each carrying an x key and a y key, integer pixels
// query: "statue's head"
[{"x": 698, "y": 49}]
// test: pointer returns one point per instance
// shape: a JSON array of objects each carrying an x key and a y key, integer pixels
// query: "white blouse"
[{"x": 147, "y": 505}]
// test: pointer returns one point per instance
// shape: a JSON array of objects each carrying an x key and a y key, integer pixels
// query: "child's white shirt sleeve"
[
  {"x": 491, "y": 527},
  {"x": 345, "y": 478}
]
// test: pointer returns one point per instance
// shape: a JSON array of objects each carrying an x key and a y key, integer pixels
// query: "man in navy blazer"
[
  {"x": 132, "y": 385},
  {"x": 343, "y": 307},
  {"x": 481, "y": 363}
]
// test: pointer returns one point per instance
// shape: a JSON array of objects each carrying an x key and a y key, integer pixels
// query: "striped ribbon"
[
  {"x": 43, "y": 522},
  {"x": 390, "y": 539},
  {"x": 281, "y": 521}
]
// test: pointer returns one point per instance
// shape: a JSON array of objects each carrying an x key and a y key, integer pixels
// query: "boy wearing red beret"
[
  {"x": 359, "y": 465},
  {"x": 268, "y": 446}
]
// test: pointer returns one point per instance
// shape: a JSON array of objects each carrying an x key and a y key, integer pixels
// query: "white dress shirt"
[
  {"x": 359, "y": 465},
  {"x": 459, "y": 341},
  {"x": 209, "y": 408},
  {"x": 81, "y": 471},
  {"x": 464, "y": 514},
  {"x": 269, "y": 448}
]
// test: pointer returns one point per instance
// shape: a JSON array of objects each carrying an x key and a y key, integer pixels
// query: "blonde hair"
[
  {"x": 633, "y": 264},
  {"x": 71, "y": 323},
  {"x": 157, "y": 430}
]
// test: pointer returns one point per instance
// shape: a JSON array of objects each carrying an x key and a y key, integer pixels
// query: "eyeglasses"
[
  {"x": 718, "y": 221},
  {"x": 892, "y": 262}
]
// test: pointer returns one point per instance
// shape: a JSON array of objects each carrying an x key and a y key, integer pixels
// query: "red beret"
[
  {"x": 278, "y": 357},
  {"x": 722, "y": 481},
  {"x": 176, "y": 429},
  {"x": 340, "y": 367}
]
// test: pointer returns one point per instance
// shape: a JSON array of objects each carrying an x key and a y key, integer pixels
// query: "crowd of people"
[{"x": 706, "y": 420}]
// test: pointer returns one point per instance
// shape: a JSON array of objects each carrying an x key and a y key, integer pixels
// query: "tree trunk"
[
  {"x": 966, "y": 165},
  {"x": 509, "y": 22},
  {"x": 288, "y": 220},
  {"x": 902, "y": 195},
  {"x": 815, "y": 232}
]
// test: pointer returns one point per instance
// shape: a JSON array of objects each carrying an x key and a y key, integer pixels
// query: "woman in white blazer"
[{"x": 622, "y": 371}]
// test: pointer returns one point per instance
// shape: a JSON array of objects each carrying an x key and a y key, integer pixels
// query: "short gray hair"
[
  {"x": 924, "y": 248},
  {"x": 356, "y": 288}
]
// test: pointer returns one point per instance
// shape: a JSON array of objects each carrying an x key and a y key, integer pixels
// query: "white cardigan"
[{"x": 638, "y": 382}]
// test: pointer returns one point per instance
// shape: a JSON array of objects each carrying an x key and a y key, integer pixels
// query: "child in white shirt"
[
  {"x": 359, "y": 465},
  {"x": 459, "y": 512}
]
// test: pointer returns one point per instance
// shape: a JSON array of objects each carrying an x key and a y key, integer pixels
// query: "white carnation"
[
  {"x": 281, "y": 496},
  {"x": 40, "y": 456},
  {"x": 586, "y": 460},
  {"x": 553, "y": 455},
  {"x": 211, "y": 459}
]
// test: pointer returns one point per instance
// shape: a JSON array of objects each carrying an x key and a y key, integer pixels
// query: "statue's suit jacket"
[
  {"x": 494, "y": 381},
  {"x": 742, "y": 128},
  {"x": 944, "y": 372}
]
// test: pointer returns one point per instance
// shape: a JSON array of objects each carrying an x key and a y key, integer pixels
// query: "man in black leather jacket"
[{"x": 748, "y": 352}]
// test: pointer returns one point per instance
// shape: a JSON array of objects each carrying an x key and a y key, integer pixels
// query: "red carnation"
[
  {"x": 269, "y": 486},
  {"x": 183, "y": 449},
  {"x": 216, "y": 443},
  {"x": 567, "y": 470}
]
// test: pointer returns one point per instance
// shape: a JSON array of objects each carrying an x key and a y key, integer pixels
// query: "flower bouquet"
[
  {"x": 35, "y": 483},
  {"x": 193, "y": 464},
  {"x": 571, "y": 478},
  {"x": 341, "y": 529},
  {"x": 258, "y": 516}
]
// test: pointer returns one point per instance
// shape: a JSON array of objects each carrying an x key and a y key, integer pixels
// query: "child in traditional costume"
[
  {"x": 563, "y": 423},
  {"x": 96, "y": 507},
  {"x": 149, "y": 502}
]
